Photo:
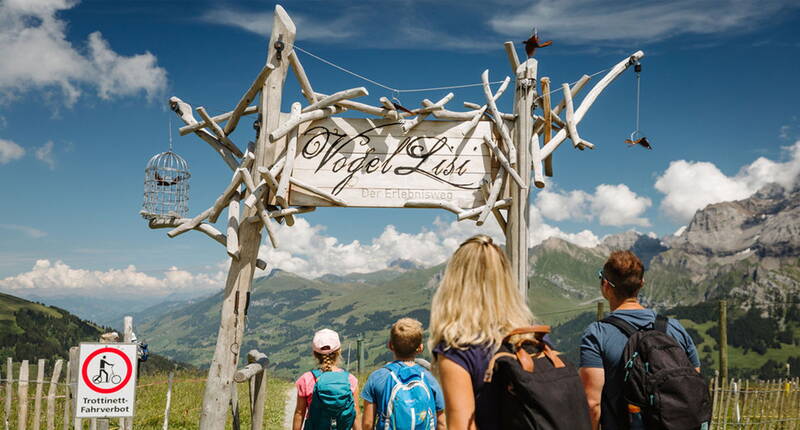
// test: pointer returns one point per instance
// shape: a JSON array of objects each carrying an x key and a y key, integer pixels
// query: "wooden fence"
[
  {"x": 749, "y": 404},
  {"x": 47, "y": 406}
]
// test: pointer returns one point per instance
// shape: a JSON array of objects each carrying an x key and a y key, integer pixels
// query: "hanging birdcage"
[{"x": 166, "y": 186}]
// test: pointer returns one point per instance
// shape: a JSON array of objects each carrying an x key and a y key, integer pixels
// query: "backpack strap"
[
  {"x": 661, "y": 323},
  {"x": 625, "y": 327}
]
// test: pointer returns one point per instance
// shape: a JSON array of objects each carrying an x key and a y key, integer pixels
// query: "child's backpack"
[
  {"x": 332, "y": 404},
  {"x": 660, "y": 379},
  {"x": 407, "y": 402},
  {"x": 533, "y": 387}
]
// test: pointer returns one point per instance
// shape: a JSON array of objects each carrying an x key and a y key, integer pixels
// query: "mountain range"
[{"x": 744, "y": 251}]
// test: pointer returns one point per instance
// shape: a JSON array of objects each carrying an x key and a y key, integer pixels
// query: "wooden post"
[
  {"x": 217, "y": 394},
  {"x": 51, "y": 395},
  {"x": 127, "y": 336},
  {"x": 165, "y": 426},
  {"x": 259, "y": 384},
  {"x": 517, "y": 223},
  {"x": 72, "y": 400},
  {"x": 235, "y": 422},
  {"x": 548, "y": 123},
  {"x": 9, "y": 389},
  {"x": 723, "y": 341},
  {"x": 359, "y": 354},
  {"x": 601, "y": 312},
  {"x": 67, "y": 379},
  {"x": 22, "y": 403},
  {"x": 37, "y": 399}
]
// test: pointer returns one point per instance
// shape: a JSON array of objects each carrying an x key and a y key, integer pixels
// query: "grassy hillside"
[{"x": 31, "y": 330}]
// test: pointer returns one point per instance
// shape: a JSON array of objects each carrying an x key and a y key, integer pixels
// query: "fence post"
[
  {"x": 37, "y": 401},
  {"x": 600, "y": 310},
  {"x": 9, "y": 389},
  {"x": 67, "y": 379},
  {"x": 74, "y": 359},
  {"x": 169, "y": 400},
  {"x": 360, "y": 353},
  {"x": 723, "y": 340},
  {"x": 235, "y": 425},
  {"x": 259, "y": 384},
  {"x": 127, "y": 322},
  {"x": 22, "y": 404},
  {"x": 51, "y": 395}
]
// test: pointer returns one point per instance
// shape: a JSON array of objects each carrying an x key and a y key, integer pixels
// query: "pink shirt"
[{"x": 305, "y": 385}]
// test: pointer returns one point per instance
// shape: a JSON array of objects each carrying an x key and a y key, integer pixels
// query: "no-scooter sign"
[{"x": 106, "y": 380}]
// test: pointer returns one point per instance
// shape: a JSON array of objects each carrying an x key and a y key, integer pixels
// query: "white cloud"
[
  {"x": 261, "y": 23},
  {"x": 306, "y": 250},
  {"x": 48, "y": 277},
  {"x": 10, "y": 151},
  {"x": 24, "y": 229},
  {"x": 613, "y": 205},
  {"x": 561, "y": 206},
  {"x": 582, "y": 21},
  {"x": 45, "y": 154},
  {"x": 617, "y": 205},
  {"x": 539, "y": 231},
  {"x": 692, "y": 185},
  {"x": 35, "y": 38}
]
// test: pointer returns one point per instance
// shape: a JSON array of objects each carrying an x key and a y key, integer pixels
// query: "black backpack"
[
  {"x": 660, "y": 379},
  {"x": 534, "y": 388}
]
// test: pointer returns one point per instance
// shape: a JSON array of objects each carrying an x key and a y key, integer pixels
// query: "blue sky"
[{"x": 83, "y": 90}]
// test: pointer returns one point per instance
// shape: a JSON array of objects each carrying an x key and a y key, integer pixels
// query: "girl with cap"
[{"x": 326, "y": 348}]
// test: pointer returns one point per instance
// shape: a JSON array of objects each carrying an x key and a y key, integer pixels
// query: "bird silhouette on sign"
[
  {"x": 166, "y": 182},
  {"x": 640, "y": 141},
  {"x": 533, "y": 42}
]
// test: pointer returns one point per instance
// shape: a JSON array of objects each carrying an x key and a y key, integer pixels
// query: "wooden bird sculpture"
[
  {"x": 640, "y": 141},
  {"x": 533, "y": 42}
]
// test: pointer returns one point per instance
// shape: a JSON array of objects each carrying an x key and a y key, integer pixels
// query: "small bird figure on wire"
[
  {"x": 640, "y": 141},
  {"x": 161, "y": 182},
  {"x": 533, "y": 42}
]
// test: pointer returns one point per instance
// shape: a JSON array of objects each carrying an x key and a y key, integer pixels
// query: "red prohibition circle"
[{"x": 93, "y": 387}]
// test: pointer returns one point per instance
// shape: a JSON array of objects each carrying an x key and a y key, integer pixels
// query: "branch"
[
  {"x": 498, "y": 121},
  {"x": 474, "y": 212},
  {"x": 590, "y": 98},
  {"x": 503, "y": 161},
  {"x": 287, "y": 126},
  {"x": 571, "y": 129},
  {"x": 409, "y": 124},
  {"x": 437, "y": 204},
  {"x": 248, "y": 97},
  {"x": 512, "y": 55},
  {"x": 336, "y": 97},
  {"x": 300, "y": 74},
  {"x": 207, "y": 229},
  {"x": 497, "y": 186},
  {"x": 262, "y": 211},
  {"x": 219, "y": 132},
  {"x": 184, "y": 112},
  {"x": 291, "y": 150},
  {"x": 328, "y": 196},
  {"x": 191, "y": 128},
  {"x": 232, "y": 243},
  {"x": 486, "y": 191}
]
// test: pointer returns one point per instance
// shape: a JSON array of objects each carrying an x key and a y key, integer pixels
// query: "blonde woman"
[
  {"x": 327, "y": 397},
  {"x": 476, "y": 305}
]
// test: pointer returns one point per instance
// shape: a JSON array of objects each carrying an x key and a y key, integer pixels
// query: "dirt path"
[{"x": 288, "y": 411}]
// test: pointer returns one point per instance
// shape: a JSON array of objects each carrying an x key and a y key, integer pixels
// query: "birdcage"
[{"x": 166, "y": 186}]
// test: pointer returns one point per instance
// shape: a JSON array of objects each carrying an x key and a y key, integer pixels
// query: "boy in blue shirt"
[{"x": 405, "y": 341}]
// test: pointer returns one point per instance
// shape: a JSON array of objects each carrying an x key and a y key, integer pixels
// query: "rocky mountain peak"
[{"x": 644, "y": 246}]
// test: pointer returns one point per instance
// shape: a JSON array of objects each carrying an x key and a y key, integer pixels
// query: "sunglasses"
[{"x": 603, "y": 277}]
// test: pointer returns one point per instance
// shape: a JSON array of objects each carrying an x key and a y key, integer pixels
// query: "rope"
[{"x": 392, "y": 89}]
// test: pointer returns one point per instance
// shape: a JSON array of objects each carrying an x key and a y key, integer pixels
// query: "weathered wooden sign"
[{"x": 374, "y": 163}]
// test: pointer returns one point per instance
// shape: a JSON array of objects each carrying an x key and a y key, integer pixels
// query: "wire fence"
[{"x": 752, "y": 404}]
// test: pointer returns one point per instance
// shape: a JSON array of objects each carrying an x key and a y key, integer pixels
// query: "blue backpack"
[
  {"x": 332, "y": 404},
  {"x": 408, "y": 402}
]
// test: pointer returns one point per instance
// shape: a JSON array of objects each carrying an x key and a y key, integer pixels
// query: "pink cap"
[{"x": 326, "y": 341}]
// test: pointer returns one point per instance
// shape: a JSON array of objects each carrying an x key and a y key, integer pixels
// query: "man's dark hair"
[{"x": 626, "y": 272}]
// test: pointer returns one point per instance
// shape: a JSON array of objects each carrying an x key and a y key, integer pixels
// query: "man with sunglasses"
[{"x": 602, "y": 344}]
